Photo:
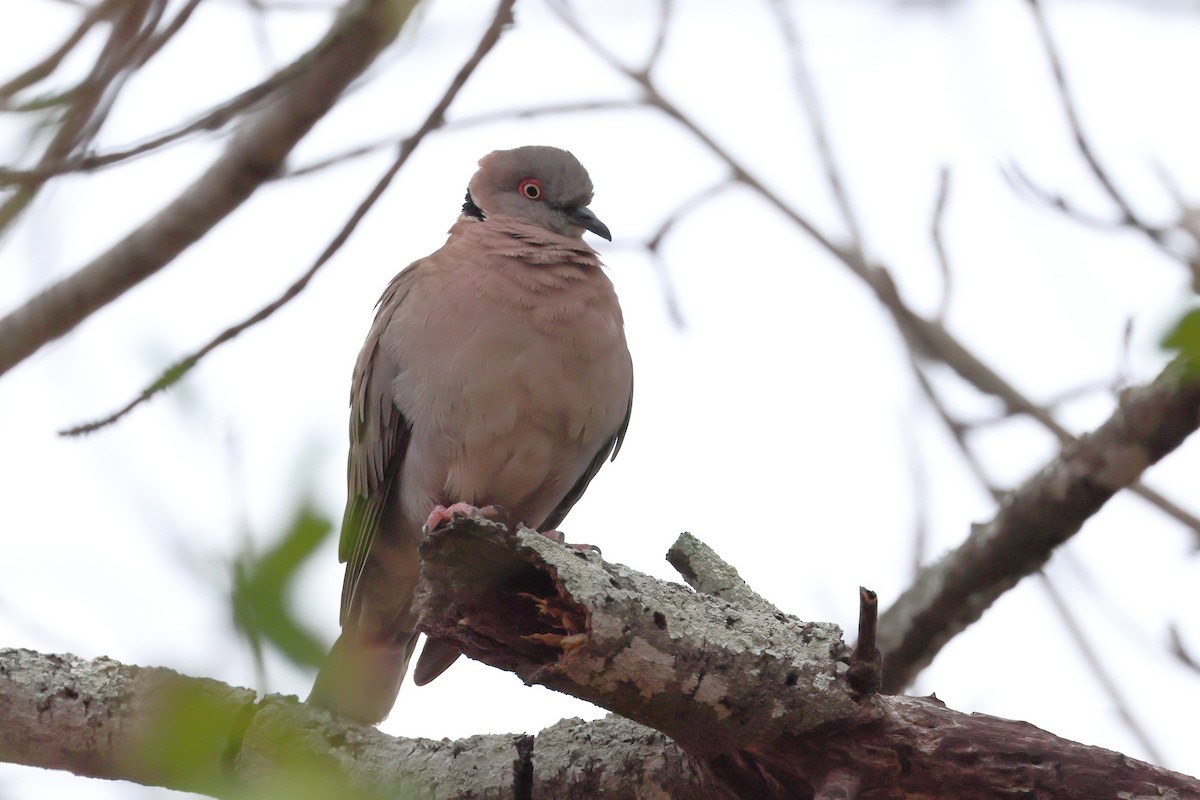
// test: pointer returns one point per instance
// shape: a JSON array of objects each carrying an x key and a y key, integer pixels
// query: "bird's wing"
[
  {"x": 607, "y": 452},
  {"x": 379, "y": 436}
]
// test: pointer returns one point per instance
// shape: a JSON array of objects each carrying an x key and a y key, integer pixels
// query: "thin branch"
[
  {"x": 653, "y": 98},
  {"x": 926, "y": 338},
  {"x": 50, "y": 63},
  {"x": 1022, "y": 184},
  {"x": 653, "y": 245},
  {"x": 1034, "y": 519},
  {"x": 665, "y": 10},
  {"x": 464, "y": 122},
  {"x": 1082, "y": 142},
  {"x": 214, "y": 119},
  {"x": 502, "y": 17},
  {"x": 256, "y": 153},
  {"x": 939, "y": 244},
  {"x": 1090, "y": 657},
  {"x": 1181, "y": 653},
  {"x": 957, "y": 429},
  {"x": 86, "y": 107},
  {"x": 807, "y": 91}
]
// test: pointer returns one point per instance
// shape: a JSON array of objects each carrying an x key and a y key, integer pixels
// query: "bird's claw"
[{"x": 444, "y": 515}]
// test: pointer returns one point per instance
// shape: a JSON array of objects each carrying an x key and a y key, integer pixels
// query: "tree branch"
[
  {"x": 762, "y": 697},
  {"x": 753, "y": 699},
  {"x": 500, "y": 20},
  {"x": 152, "y": 726},
  {"x": 705, "y": 671},
  {"x": 360, "y": 32},
  {"x": 1149, "y": 422}
]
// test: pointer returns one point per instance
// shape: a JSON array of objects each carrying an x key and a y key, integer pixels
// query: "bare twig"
[
  {"x": 502, "y": 17},
  {"x": 356, "y": 37},
  {"x": 1041, "y": 514},
  {"x": 927, "y": 338},
  {"x": 1099, "y": 672},
  {"x": 653, "y": 245},
  {"x": 1181, "y": 652},
  {"x": 665, "y": 9},
  {"x": 807, "y": 92},
  {"x": 215, "y": 118},
  {"x": 957, "y": 429},
  {"x": 464, "y": 122},
  {"x": 920, "y": 493},
  {"x": 1022, "y": 183},
  {"x": 939, "y": 243},
  {"x": 1082, "y": 142},
  {"x": 86, "y": 107},
  {"x": 866, "y": 671},
  {"x": 50, "y": 63}
]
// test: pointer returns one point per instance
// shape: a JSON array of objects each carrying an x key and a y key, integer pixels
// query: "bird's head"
[{"x": 543, "y": 186}]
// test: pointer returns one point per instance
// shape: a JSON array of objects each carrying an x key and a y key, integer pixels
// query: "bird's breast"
[{"x": 527, "y": 377}]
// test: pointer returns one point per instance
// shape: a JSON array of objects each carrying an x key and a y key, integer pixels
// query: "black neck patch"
[{"x": 470, "y": 209}]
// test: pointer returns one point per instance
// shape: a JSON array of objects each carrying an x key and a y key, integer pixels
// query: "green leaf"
[
  {"x": 261, "y": 584},
  {"x": 1184, "y": 339}
]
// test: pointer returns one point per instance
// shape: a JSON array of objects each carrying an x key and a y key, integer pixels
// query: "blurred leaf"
[
  {"x": 261, "y": 611},
  {"x": 195, "y": 738},
  {"x": 186, "y": 743},
  {"x": 1184, "y": 338}
]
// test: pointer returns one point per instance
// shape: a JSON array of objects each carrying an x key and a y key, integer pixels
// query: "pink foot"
[{"x": 441, "y": 515}]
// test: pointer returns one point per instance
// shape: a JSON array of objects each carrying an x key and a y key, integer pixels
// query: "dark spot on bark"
[
  {"x": 792, "y": 678},
  {"x": 905, "y": 762},
  {"x": 523, "y": 769},
  {"x": 660, "y": 620}
]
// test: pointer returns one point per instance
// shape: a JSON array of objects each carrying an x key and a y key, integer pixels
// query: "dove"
[{"x": 496, "y": 373}]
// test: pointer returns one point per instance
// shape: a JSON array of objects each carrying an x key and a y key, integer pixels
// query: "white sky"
[{"x": 780, "y": 425}]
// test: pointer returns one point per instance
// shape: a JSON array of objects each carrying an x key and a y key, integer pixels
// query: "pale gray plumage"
[{"x": 496, "y": 372}]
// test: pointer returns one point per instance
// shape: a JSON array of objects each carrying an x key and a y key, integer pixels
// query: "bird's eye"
[{"x": 531, "y": 188}]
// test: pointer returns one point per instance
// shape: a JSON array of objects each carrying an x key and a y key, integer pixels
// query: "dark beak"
[{"x": 583, "y": 216}]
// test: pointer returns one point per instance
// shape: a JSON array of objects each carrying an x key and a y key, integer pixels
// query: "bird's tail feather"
[
  {"x": 360, "y": 680},
  {"x": 435, "y": 657}
]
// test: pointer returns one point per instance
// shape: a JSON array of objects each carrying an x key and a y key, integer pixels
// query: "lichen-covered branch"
[
  {"x": 1149, "y": 422},
  {"x": 569, "y": 621},
  {"x": 152, "y": 726},
  {"x": 713, "y": 675},
  {"x": 761, "y": 697}
]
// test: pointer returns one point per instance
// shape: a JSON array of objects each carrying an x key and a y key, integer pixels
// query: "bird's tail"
[{"x": 360, "y": 680}]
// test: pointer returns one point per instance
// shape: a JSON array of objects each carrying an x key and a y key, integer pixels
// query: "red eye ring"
[{"x": 530, "y": 189}]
